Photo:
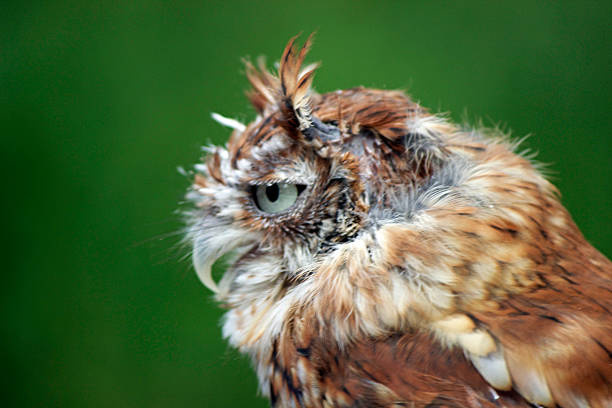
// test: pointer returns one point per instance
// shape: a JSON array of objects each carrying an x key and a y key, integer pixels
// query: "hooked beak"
[{"x": 213, "y": 238}]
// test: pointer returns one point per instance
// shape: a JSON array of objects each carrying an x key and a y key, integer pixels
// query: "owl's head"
[{"x": 308, "y": 175}]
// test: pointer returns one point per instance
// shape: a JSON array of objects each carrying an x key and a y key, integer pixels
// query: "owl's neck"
[{"x": 285, "y": 329}]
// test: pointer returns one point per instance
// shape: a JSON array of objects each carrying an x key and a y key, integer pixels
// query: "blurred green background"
[{"x": 101, "y": 101}]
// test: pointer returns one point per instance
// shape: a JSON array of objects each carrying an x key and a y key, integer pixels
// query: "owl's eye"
[{"x": 275, "y": 198}]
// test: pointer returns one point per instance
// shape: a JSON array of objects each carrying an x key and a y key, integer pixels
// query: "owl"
[{"x": 382, "y": 256}]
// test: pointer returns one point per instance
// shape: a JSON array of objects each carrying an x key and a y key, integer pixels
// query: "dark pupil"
[{"x": 272, "y": 192}]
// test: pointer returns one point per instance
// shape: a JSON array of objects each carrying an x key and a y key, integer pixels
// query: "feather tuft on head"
[
  {"x": 295, "y": 103},
  {"x": 265, "y": 86},
  {"x": 290, "y": 92}
]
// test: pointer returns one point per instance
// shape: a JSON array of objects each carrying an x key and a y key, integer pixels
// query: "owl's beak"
[
  {"x": 203, "y": 266},
  {"x": 213, "y": 239}
]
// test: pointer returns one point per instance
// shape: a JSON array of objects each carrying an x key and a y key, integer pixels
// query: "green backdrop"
[{"x": 101, "y": 101}]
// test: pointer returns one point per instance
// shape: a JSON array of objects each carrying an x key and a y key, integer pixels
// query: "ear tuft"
[
  {"x": 289, "y": 92},
  {"x": 265, "y": 85},
  {"x": 295, "y": 103}
]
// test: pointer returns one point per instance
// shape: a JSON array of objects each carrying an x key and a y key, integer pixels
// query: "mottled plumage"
[{"x": 384, "y": 256}]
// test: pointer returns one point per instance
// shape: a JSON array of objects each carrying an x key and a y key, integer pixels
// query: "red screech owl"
[{"x": 383, "y": 256}]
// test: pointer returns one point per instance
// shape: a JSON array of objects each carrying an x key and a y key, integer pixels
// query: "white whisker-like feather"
[{"x": 228, "y": 122}]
